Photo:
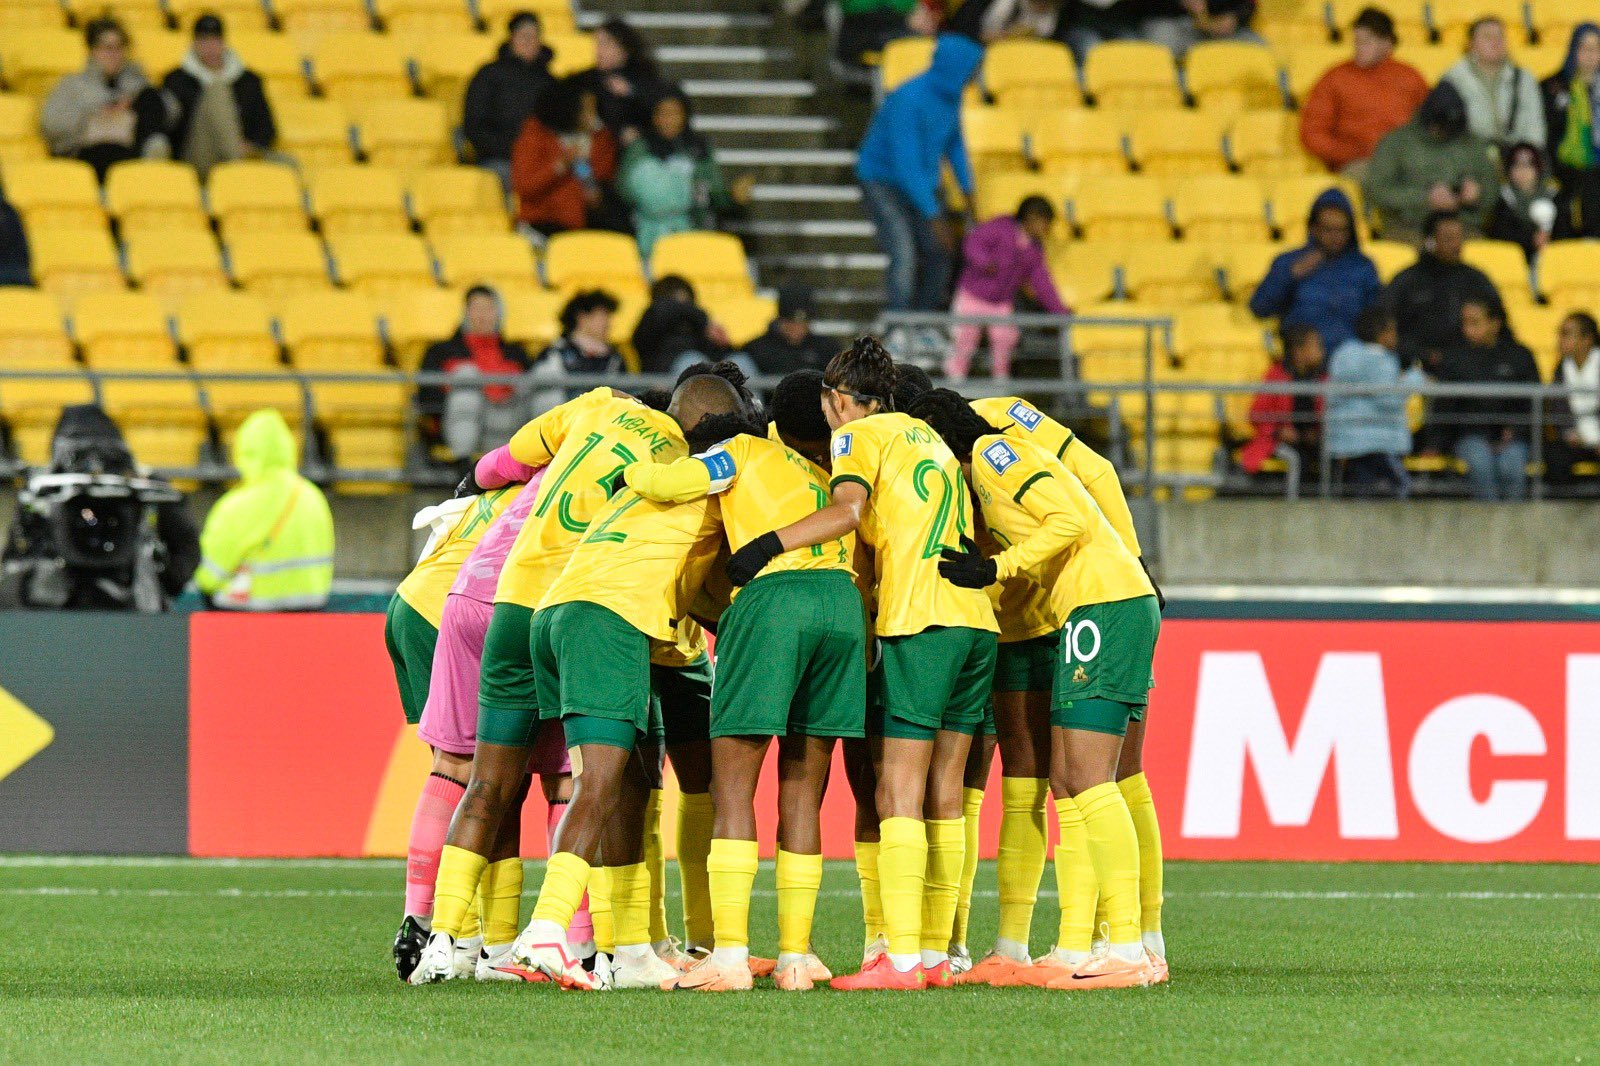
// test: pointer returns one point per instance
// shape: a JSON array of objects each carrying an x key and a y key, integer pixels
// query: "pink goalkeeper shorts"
[{"x": 450, "y": 720}]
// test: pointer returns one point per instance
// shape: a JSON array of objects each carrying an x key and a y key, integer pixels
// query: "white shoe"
[
  {"x": 960, "y": 959},
  {"x": 602, "y": 969},
  {"x": 542, "y": 947},
  {"x": 650, "y": 971},
  {"x": 466, "y": 957},
  {"x": 437, "y": 962}
]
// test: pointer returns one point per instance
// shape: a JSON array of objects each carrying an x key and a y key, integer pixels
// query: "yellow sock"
[
  {"x": 1101, "y": 920},
  {"x": 1075, "y": 880},
  {"x": 655, "y": 860},
  {"x": 631, "y": 904},
  {"x": 799, "y": 881},
  {"x": 971, "y": 807},
  {"x": 605, "y": 930},
  {"x": 501, "y": 888},
  {"x": 947, "y": 849},
  {"x": 694, "y": 844},
  {"x": 472, "y": 923},
  {"x": 455, "y": 888},
  {"x": 1021, "y": 859},
  {"x": 902, "y": 873},
  {"x": 1114, "y": 850},
  {"x": 566, "y": 878},
  {"x": 731, "y": 874},
  {"x": 1142, "y": 808},
  {"x": 871, "y": 899}
]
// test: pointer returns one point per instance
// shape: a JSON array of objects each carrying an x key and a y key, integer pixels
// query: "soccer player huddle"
[{"x": 883, "y": 564}]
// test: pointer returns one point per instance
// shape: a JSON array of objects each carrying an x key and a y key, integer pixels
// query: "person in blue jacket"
[
  {"x": 1367, "y": 434},
  {"x": 918, "y": 126},
  {"x": 1326, "y": 283}
]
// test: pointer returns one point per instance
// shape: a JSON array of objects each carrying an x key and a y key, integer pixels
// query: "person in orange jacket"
[{"x": 1356, "y": 103}]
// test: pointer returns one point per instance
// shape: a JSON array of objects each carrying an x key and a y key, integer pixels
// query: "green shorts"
[
  {"x": 791, "y": 658},
  {"x": 591, "y": 663},
  {"x": 680, "y": 701},
  {"x": 936, "y": 679},
  {"x": 410, "y": 638},
  {"x": 1107, "y": 654},
  {"x": 1027, "y": 665},
  {"x": 508, "y": 693}
]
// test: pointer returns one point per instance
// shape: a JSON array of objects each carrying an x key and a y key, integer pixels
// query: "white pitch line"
[
  {"x": 365, "y": 893},
  {"x": 166, "y": 861}
]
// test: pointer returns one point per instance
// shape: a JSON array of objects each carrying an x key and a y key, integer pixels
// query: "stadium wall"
[{"x": 1269, "y": 738}]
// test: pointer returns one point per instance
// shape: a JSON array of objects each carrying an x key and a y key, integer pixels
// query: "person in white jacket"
[
  {"x": 1578, "y": 435},
  {"x": 1503, "y": 100}
]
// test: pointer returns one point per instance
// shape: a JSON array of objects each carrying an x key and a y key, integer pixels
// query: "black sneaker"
[{"x": 408, "y": 945}]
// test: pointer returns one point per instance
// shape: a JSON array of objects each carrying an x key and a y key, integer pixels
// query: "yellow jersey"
[
  {"x": 586, "y": 443},
  {"x": 1059, "y": 538},
  {"x": 426, "y": 587},
  {"x": 688, "y": 644},
  {"x": 917, "y": 505},
  {"x": 1020, "y": 419},
  {"x": 1021, "y": 607}
]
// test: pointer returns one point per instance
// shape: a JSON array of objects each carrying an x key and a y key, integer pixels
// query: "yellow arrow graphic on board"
[{"x": 23, "y": 734}]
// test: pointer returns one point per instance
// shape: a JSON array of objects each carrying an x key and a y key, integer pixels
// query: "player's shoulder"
[{"x": 994, "y": 456}]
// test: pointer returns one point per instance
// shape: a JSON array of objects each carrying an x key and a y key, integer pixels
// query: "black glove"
[
  {"x": 469, "y": 486},
  {"x": 1161, "y": 601},
  {"x": 749, "y": 560},
  {"x": 967, "y": 567}
]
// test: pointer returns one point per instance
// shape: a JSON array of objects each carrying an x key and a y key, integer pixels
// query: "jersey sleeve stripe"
[
  {"x": 1028, "y": 484},
  {"x": 1065, "y": 444},
  {"x": 842, "y": 478}
]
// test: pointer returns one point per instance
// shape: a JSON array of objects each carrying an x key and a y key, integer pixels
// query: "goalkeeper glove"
[
  {"x": 749, "y": 560},
  {"x": 967, "y": 567}
]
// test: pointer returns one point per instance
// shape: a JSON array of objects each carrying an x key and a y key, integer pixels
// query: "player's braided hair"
[
  {"x": 714, "y": 429},
  {"x": 910, "y": 381},
  {"x": 797, "y": 407},
  {"x": 866, "y": 370},
  {"x": 655, "y": 398},
  {"x": 728, "y": 371},
  {"x": 952, "y": 417}
]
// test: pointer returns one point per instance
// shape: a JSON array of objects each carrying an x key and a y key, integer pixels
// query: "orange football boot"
[
  {"x": 880, "y": 974},
  {"x": 760, "y": 967},
  {"x": 1108, "y": 971},
  {"x": 940, "y": 976},
  {"x": 996, "y": 971},
  {"x": 794, "y": 977},
  {"x": 708, "y": 976}
]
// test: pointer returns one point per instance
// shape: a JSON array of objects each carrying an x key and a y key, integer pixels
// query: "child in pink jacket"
[{"x": 1003, "y": 255}]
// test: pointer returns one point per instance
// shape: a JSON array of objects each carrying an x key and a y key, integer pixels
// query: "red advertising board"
[{"x": 1429, "y": 741}]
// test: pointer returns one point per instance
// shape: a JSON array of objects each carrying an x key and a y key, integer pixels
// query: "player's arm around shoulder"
[{"x": 1033, "y": 480}]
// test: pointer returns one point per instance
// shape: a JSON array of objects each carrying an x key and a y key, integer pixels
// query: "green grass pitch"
[{"x": 175, "y": 960}]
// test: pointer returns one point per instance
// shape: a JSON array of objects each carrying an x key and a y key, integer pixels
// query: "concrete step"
[
  {"x": 789, "y": 166},
  {"x": 746, "y": 61},
  {"x": 764, "y": 131},
  {"x": 777, "y": 200},
  {"x": 750, "y": 96}
]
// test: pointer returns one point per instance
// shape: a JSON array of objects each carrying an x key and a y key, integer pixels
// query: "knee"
[{"x": 487, "y": 797}]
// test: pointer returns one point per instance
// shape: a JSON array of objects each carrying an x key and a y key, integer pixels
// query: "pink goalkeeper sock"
[
  {"x": 429, "y": 827},
  {"x": 581, "y": 930}
]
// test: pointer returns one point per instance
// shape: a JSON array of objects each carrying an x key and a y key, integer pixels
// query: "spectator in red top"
[
  {"x": 1354, "y": 105},
  {"x": 563, "y": 164},
  {"x": 459, "y": 422},
  {"x": 1288, "y": 425}
]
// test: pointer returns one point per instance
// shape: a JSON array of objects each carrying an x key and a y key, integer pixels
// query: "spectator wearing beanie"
[
  {"x": 503, "y": 93},
  {"x": 223, "y": 113},
  {"x": 1432, "y": 163},
  {"x": 1355, "y": 104},
  {"x": 564, "y": 163},
  {"x": 788, "y": 344},
  {"x": 1503, "y": 101},
  {"x": 1326, "y": 282},
  {"x": 1004, "y": 256}
]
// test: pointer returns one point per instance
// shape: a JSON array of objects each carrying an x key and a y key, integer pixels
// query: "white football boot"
[
  {"x": 648, "y": 970},
  {"x": 438, "y": 962},
  {"x": 542, "y": 947}
]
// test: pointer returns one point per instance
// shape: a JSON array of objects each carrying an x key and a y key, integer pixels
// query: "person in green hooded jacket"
[
  {"x": 1432, "y": 163},
  {"x": 671, "y": 180},
  {"x": 267, "y": 544}
]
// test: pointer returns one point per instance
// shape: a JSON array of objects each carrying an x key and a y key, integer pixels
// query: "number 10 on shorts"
[{"x": 1082, "y": 642}]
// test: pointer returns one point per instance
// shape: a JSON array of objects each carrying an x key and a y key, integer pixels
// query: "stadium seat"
[
  {"x": 422, "y": 17},
  {"x": 55, "y": 193},
  {"x": 1084, "y": 272},
  {"x": 584, "y": 259},
  {"x": 74, "y": 261},
  {"x": 1178, "y": 143},
  {"x": 1410, "y": 21},
  {"x": 1391, "y": 257},
  {"x": 274, "y": 264},
  {"x": 556, "y": 15},
  {"x": 331, "y": 331},
  {"x": 1212, "y": 344},
  {"x": 1569, "y": 274},
  {"x": 1430, "y": 60},
  {"x": 532, "y": 318},
  {"x": 1232, "y": 76},
  {"x": 1117, "y": 353},
  {"x": 32, "y": 406},
  {"x": 30, "y": 15},
  {"x": 903, "y": 59},
  {"x": 1555, "y": 20},
  {"x": 228, "y": 332},
  {"x": 315, "y": 132},
  {"x": 1080, "y": 143},
  {"x": 19, "y": 129},
  {"x": 1504, "y": 262},
  {"x": 404, "y": 132},
  {"x": 743, "y": 317},
  {"x": 32, "y": 337},
  {"x": 1306, "y": 64},
  {"x": 309, "y": 20},
  {"x": 574, "y": 52},
  {"x": 246, "y": 196},
  {"x": 1132, "y": 74},
  {"x": 415, "y": 318},
  {"x": 34, "y": 59},
  {"x": 1245, "y": 264},
  {"x": 373, "y": 454},
  {"x": 1121, "y": 208},
  {"x": 1168, "y": 274},
  {"x": 1290, "y": 200},
  {"x": 503, "y": 260},
  {"x": 714, "y": 263},
  {"x": 1003, "y": 192},
  {"x": 160, "y": 51},
  {"x": 238, "y": 15},
  {"x": 172, "y": 264},
  {"x": 374, "y": 263},
  {"x": 446, "y": 62},
  {"x": 994, "y": 138},
  {"x": 138, "y": 16},
  {"x": 151, "y": 194},
  {"x": 123, "y": 330},
  {"x": 358, "y": 199},
  {"x": 277, "y": 60},
  {"x": 1266, "y": 144},
  {"x": 1450, "y": 18},
  {"x": 358, "y": 67},
  {"x": 1028, "y": 74},
  {"x": 450, "y": 200},
  {"x": 31, "y": 330},
  {"x": 1536, "y": 326},
  {"x": 1220, "y": 208}
]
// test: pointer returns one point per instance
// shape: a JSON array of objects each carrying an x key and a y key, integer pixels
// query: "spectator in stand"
[
  {"x": 866, "y": 26},
  {"x": 462, "y": 421},
  {"x": 1003, "y": 257},
  {"x": 670, "y": 178},
  {"x": 1490, "y": 433},
  {"x": 1572, "y": 120},
  {"x": 16, "y": 265},
  {"x": 583, "y": 349},
  {"x": 788, "y": 344},
  {"x": 1355, "y": 104},
  {"x": 503, "y": 93},
  {"x": 1091, "y": 22},
  {"x": 1577, "y": 438},
  {"x": 988, "y": 21},
  {"x": 107, "y": 112},
  {"x": 1503, "y": 101},
  {"x": 1182, "y": 24},
  {"x": 1326, "y": 282},
  {"x": 1289, "y": 427},
  {"x": 625, "y": 78},
  {"x": 1528, "y": 210},
  {"x": 1432, "y": 163},
  {"x": 564, "y": 163},
  {"x": 1368, "y": 433},
  {"x": 916, "y": 130},
  {"x": 1426, "y": 297},
  {"x": 223, "y": 113},
  {"x": 674, "y": 331}
]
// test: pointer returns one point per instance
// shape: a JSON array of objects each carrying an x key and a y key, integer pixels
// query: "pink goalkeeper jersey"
[{"x": 479, "y": 575}]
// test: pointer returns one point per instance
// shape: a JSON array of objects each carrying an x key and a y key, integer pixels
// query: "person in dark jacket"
[
  {"x": 503, "y": 93},
  {"x": 625, "y": 78},
  {"x": 583, "y": 351},
  {"x": 788, "y": 344},
  {"x": 674, "y": 330},
  {"x": 478, "y": 347},
  {"x": 1490, "y": 433},
  {"x": 1327, "y": 282},
  {"x": 1528, "y": 210},
  {"x": 1426, "y": 297},
  {"x": 16, "y": 265},
  {"x": 1572, "y": 126},
  {"x": 223, "y": 113}
]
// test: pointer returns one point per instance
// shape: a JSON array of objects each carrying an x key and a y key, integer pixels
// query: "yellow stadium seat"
[
  {"x": 160, "y": 51},
  {"x": 1505, "y": 264},
  {"x": 584, "y": 259},
  {"x": 714, "y": 263},
  {"x": 404, "y": 132},
  {"x": 358, "y": 199},
  {"x": 150, "y": 194},
  {"x": 34, "y": 59},
  {"x": 1212, "y": 344},
  {"x": 1020, "y": 73},
  {"x": 630, "y": 308},
  {"x": 54, "y": 193},
  {"x": 555, "y": 16},
  {"x": 994, "y": 138},
  {"x": 1170, "y": 274},
  {"x": 167, "y": 410},
  {"x": 1132, "y": 74},
  {"x": 1178, "y": 143},
  {"x": 1537, "y": 326},
  {"x": 502, "y": 260},
  {"x": 1451, "y": 18},
  {"x": 1121, "y": 208},
  {"x": 1430, "y": 60},
  {"x": 161, "y": 444},
  {"x": 451, "y": 200},
  {"x": 1002, "y": 192},
  {"x": 573, "y": 52},
  {"x": 1267, "y": 144},
  {"x": 1391, "y": 257},
  {"x": 276, "y": 59},
  {"x": 1410, "y": 22},
  {"x": 1084, "y": 272},
  {"x": 239, "y": 15},
  {"x": 1245, "y": 264},
  {"x": 1232, "y": 76},
  {"x": 1555, "y": 21},
  {"x": 30, "y": 15},
  {"x": 311, "y": 20},
  {"x": 245, "y": 195},
  {"x": 32, "y": 406},
  {"x": 19, "y": 129},
  {"x": 1548, "y": 54},
  {"x": 31, "y": 331},
  {"x": 415, "y": 318},
  {"x": 227, "y": 332},
  {"x": 354, "y": 68},
  {"x": 743, "y": 317},
  {"x": 422, "y": 17},
  {"x": 72, "y": 262},
  {"x": 370, "y": 458},
  {"x": 137, "y": 15},
  {"x": 123, "y": 329},
  {"x": 1221, "y": 208},
  {"x": 1306, "y": 65},
  {"x": 1079, "y": 143},
  {"x": 903, "y": 59},
  {"x": 1291, "y": 200},
  {"x": 533, "y": 318},
  {"x": 447, "y": 61},
  {"x": 315, "y": 132},
  {"x": 1569, "y": 274},
  {"x": 331, "y": 331},
  {"x": 274, "y": 264},
  {"x": 1117, "y": 353},
  {"x": 172, "y": 264},
  {"x": 374, "y": 263}
]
